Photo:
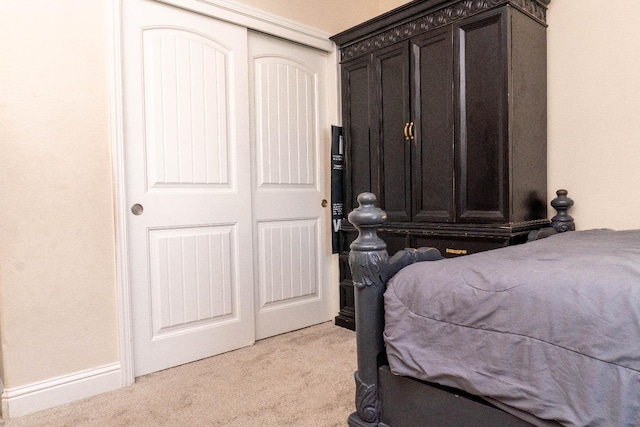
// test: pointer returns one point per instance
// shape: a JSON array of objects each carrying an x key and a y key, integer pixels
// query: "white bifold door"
[{"x": 225, "y": 163}]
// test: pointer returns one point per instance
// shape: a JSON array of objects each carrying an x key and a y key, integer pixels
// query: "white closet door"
[
  {"x": 291, "y": 144},
  {"x": 188, "y": 183}
]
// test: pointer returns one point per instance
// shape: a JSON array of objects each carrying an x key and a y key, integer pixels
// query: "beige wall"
[
  {"x": 58, "y": 307},
  {"x": 594, "y": 109},
  {"x": 386, "y": 5},
  {"x": 330, "y": 16},
  {"x": 57, "y": 284}
]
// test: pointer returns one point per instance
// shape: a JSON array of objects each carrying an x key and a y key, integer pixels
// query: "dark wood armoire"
[{"x": 444, "y": 106}]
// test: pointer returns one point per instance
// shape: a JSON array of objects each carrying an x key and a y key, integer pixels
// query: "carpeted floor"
[{"x": 303, "y": 378}]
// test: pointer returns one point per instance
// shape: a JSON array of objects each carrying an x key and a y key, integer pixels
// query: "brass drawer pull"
[{"x": 456, "y": 251}]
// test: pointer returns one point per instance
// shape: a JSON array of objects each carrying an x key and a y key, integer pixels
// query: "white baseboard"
[{"x": 24, "y": 400}]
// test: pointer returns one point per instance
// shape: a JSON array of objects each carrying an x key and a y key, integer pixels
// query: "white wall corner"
[
  {"x": 2, "y": 413},
  {"x": 114, "y": 12},
  {"x": 20, "y": 401}
]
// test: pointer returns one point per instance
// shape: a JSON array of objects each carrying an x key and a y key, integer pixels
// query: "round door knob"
[
  {"x": 137, "y": 209},
  {"x": 324, "y": 203}
]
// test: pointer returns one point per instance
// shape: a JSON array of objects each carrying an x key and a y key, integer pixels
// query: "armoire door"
[
  {"x": 432, "y": 110},
  {"x": 185, "y": 91},
  {"x": 391, "y": 130},
  {"x": 356, "y": 116},
  {"x": 482, "y": 85},
  {"x": 413, "y": 128},
  {"x": 290, "y": 148}
]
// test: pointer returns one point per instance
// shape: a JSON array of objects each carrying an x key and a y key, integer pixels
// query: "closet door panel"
[
  {"x": 432, "y": 111},
  {"x": 391, "y": 124}
]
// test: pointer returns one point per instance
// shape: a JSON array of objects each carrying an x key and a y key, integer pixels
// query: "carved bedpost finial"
[
  {"x": 367, "y": 218},
  {"x": 562, "y": 221}
]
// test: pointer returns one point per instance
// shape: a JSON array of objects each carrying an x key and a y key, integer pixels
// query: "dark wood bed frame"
[{"x": 382, "y": 398}]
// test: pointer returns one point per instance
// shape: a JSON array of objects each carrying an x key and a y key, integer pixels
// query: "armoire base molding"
[{"x": 34, "y": 397}]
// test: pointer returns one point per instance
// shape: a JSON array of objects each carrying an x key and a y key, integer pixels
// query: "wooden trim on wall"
[{"x": 19, "y": 401}]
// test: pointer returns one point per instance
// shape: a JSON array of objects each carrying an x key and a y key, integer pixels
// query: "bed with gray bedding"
[
  {"x": 544, "y": 333},
  {"x": 550, "y": 328}
]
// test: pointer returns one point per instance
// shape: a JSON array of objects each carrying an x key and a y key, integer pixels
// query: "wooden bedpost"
[
  {"x": 562, "y": 221},
  {"x": 368, "y": 260},
  {"x": 370, "y": 270}
]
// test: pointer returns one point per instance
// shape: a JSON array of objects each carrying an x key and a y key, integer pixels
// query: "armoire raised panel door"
[
  {"x": 390, "y": 126},
  {"x": 501, "y": 118},
  {"x": 356, "y": 116},
  {"x": 433, "y": 158},
  {"x": 412, "y": 129},
  {"x": 482, "y": 143}
]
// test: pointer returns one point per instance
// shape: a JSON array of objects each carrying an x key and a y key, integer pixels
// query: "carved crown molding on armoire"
[{"x": 449, "y": 12}]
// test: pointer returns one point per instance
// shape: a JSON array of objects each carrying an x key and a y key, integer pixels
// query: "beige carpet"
[{"x": 303, "y": 378}]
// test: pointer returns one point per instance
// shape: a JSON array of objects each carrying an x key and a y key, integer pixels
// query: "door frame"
[{"x": 236, "y": 13}]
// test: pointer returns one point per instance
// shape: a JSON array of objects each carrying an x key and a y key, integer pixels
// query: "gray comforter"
[{"x": 550, "y": 330}]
